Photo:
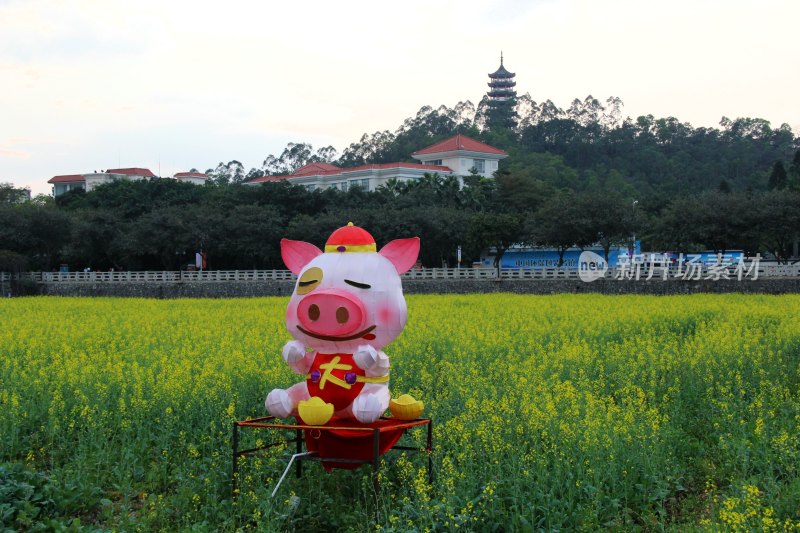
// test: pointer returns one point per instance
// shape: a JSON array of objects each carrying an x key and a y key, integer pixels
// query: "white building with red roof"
[
  {"x": 462, "y": 154},
  {"x": 67, "y": 182},
  {"x": 197, "y": 178},
  {"x": 90, "y": 180},
  {"x": 455, "y": 156}
]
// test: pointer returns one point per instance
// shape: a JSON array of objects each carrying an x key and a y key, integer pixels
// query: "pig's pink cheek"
[
  {"x": 291, "y": 312},
  {"x": 385, "y": 315}
]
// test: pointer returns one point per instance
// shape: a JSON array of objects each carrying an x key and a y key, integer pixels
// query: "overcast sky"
[{"x": 90, "y": 85}]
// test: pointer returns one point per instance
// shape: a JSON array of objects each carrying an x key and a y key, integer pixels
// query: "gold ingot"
[
  {"x": 314, "y": 411},
  {"x": 406, "y": 407}
]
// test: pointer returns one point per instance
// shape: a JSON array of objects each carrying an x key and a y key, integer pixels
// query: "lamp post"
[{"x": 633, "y": 228}]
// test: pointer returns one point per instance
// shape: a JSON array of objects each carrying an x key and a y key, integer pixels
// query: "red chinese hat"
[{"x": 350, "y": 238}]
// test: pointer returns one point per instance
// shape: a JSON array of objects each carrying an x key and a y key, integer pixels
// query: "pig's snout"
[{"x": 331, "y": 312}]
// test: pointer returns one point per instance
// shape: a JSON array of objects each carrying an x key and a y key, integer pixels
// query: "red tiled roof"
[
  {"x": 373, "y": 167},
  {"x": 131, "y": 172},
  {"x": 313, "y": 168},
  {"x": 190, "y": 175},
  {"x": 334, "y": 170},
  {"x": 441, "y": 168},
  {"x": 67, "y": 178},
  {"x": 460, "y": 142},
  {"x": 267, "y": 178}
]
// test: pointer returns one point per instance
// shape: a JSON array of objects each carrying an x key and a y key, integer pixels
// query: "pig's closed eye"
[
  {"x": 309, "y": 280},
  {"x": 357, "y": 284}
]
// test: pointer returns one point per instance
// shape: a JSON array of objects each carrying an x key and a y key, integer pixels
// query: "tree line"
[
  {"x": 587, "y": 145},
  {"x": 160, "y": 224}
]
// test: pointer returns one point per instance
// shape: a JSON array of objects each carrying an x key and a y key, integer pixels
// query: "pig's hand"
[
  {"x": 373, "y": 361},
  {"x": 294, "y": 353},
  {"x": 366, "y": 356}
]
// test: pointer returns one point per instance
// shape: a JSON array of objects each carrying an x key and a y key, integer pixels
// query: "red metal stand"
[{"x": 385, "y": 425}]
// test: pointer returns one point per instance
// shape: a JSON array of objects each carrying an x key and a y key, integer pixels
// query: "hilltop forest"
[{"x": 576, "y": 176}]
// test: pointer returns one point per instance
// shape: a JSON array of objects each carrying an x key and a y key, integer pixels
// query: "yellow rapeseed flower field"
[{"x": 550, "y": 412}]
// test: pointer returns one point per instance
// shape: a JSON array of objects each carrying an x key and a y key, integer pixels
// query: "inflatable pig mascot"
[{"x": 347, "y": 305}]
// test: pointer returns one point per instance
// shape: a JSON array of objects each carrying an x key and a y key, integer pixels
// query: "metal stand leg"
[
  {"x": 376, "y": 484},
  {"x": 376, "y": 440},
  {"x": 235, "y": 465},
  {"x": 299, "y": 438},
  {"x": 429, "y": 449}
]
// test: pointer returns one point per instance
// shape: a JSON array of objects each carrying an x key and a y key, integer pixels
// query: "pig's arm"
[
  {"x": 296, "y": 356},
  {"x": 374, "y": 362}
]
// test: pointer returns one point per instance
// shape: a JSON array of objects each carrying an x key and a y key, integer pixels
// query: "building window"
[
  {"x": 361, "y": 184},
  {"x": 479, "y": 165},
  {"x": 437, "y": 162}
]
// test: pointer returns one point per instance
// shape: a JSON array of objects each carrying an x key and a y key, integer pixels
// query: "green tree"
[
  {"x": 718, "y": 222},
  {"x": 561, "y": 223},
  {"x": 442, "y": 231},
  {"x": 35, "y": 231},
  {"x": 794, "y": 172},
  {"x": 250, "y": 237},
  {"x": 13, "y": 195},
  {"x": 778, "y": 221},
  {"x": 498, "y": 115},
  {"x": 547, "y": 168},
  {"x": 609, "y": 219},
  {"x": 494, "y": 230},
  {"x": 430, "y": 190},
  {"x": 254, "y": 173},
  {"x": 479, "y": 194},
  {"x": 520, "y": 191},
  {"x": 99, "y": 240},
  {"x": 12, "y": 262},
  {"x": 228, "y": 173},
  {"x": 162, "y": 238},
  {"x": 391, "y": 189},
  {"x": 296, "y": 155},
  {"x": 778, "y": 178}
]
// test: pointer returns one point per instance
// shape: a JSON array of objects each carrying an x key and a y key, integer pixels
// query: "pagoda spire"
[
  {"x": 501, "y": 84},
  {"x": 501, "y": 99}
]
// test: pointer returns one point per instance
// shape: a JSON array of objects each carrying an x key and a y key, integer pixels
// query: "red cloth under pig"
[{"x": 350, "y": 444}]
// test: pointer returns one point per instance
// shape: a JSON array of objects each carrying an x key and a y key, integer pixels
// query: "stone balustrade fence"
[{"x": 438, "y": 274}]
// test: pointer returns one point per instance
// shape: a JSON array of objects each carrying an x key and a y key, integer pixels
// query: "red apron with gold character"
[{"x": 334, "y": 378}]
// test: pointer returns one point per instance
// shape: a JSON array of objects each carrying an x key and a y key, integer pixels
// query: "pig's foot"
[
  {"x": 278, "y": 403},
  {"x": 367, "y": 408}
]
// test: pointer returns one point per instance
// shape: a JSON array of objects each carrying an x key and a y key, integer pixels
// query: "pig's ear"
[
  {"x": 402, "y": 253},
  {"x": 297, "y": 254}
]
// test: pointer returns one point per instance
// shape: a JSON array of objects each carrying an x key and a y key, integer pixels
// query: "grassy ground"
[{"x": 551, "y": 412}]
